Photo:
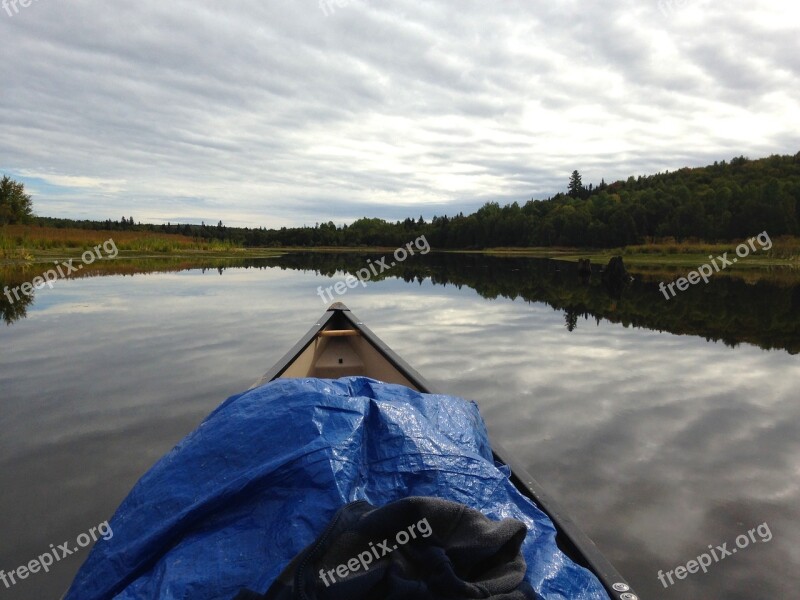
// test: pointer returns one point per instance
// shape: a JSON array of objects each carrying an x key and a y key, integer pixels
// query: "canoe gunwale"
[{"x": 570, "y": 538}]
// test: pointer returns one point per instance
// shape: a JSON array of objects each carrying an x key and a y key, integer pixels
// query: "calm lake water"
[{"x": 657, "y": 439}]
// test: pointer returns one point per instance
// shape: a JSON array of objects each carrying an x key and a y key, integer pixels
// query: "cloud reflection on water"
[{"x": 657, "y": 444}]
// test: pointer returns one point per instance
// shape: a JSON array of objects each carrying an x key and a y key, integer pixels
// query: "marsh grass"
[
  {"x": 17, "y": 241},
  {"x": 786, "y": 247},
  {"x": 785, "y": 252}
]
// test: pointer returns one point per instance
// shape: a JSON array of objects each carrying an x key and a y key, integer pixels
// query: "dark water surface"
[{"x": 658, "y": 440}]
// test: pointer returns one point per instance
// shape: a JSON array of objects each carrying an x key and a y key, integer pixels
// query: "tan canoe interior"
[{"x": 338, "y": 353}]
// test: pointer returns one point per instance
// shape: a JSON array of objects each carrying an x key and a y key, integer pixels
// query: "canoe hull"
[{"x": 340, "y": 345}]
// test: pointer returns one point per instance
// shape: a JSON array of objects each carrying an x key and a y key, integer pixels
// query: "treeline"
[
  {"x": 721, "y": 202},
  {"x": 128, "y": 224}
]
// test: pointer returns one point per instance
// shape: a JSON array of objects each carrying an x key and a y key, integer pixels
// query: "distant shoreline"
[{"x": 20, "y": 244}]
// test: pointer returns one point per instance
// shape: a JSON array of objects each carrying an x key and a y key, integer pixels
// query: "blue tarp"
[{"x": 260, "y": 478}]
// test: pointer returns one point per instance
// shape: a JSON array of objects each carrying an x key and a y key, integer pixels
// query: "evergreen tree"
[{"x": 575, "y": 186}]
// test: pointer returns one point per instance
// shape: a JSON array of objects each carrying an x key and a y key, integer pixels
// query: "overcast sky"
[{"x": 285, "y": 112}]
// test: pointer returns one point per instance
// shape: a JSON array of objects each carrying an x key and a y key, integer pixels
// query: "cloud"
[{"x": 275, "y": 114}]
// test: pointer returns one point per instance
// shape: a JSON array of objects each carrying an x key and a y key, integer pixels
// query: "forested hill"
[{"x": 721, "y": 202}]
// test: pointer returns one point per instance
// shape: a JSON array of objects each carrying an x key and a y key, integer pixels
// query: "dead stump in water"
[
  {"x": 615, "y": 276},
  {"x": 584, "y": 268}
]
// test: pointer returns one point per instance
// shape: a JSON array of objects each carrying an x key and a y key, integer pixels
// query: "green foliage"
[
  {"x": 718, "y": 203},
  {"x": 722, "y": 202},
  {"x": 15, "y": 204}
]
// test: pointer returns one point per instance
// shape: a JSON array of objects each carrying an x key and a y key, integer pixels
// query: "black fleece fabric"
[{"x": 416, "y": 548}]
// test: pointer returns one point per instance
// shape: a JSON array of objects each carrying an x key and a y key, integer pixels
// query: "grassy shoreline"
[
  {"x": 690, "y": 259},
  {"x": 784, "y": 252},
  {"x": 24, "y": 244}
]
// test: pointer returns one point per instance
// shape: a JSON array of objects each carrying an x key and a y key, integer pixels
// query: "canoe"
[
  {"x": 341, "y": 345},
  {"x": 324, "y": 428}
]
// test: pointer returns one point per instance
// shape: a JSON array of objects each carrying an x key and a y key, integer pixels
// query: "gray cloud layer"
[{"x": 272, "y": 113}]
